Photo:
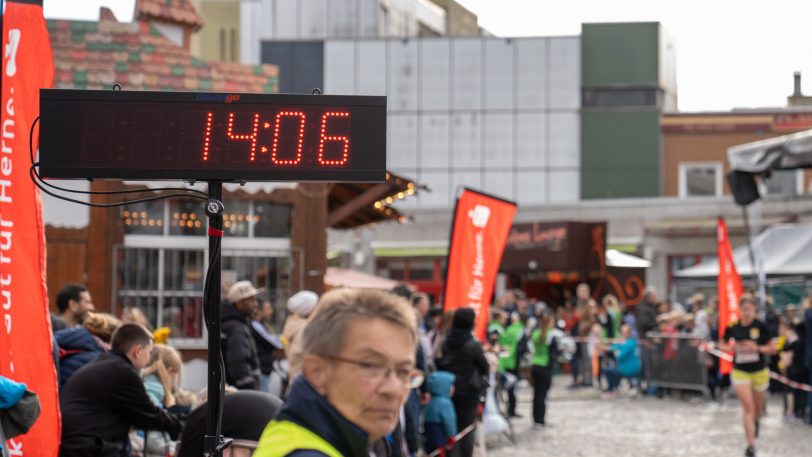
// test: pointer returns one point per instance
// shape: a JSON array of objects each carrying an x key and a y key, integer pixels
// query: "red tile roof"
[
  {"x": 96, "y": 55},
  {"x": 173, "y": 11}
]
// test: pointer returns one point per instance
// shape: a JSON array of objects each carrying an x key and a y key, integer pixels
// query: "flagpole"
[{"x": 753, "y": 274}]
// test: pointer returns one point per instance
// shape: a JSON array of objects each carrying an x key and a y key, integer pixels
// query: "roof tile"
[
  {"x": 97, "y": 54},
  {"x": 173, "y": 11}
]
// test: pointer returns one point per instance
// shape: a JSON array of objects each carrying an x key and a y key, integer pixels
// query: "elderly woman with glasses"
[{"x": 358, "y": 368}]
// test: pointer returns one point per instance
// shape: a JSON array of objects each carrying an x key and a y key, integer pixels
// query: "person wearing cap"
[
  {"x": 239, "y": 348},
  {"x": 300, "y": 305}
]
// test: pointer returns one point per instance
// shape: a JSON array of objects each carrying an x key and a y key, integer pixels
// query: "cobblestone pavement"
[{"x": 584, "y": 425}]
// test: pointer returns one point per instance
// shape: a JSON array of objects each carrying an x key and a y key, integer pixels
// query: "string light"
[
  {"x": 401, "y": 196},
  {"x": 378, "y": 205}
]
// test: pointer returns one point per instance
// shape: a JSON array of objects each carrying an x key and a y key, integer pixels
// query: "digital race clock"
[{"x": 205, "y": 136}]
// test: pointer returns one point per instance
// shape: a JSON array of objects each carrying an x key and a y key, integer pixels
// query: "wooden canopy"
[{"x": 352, "y": 205}]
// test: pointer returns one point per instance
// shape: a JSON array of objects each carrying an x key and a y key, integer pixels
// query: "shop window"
[
  {"x": 143, "y": 218},
  {"x": 184, "y": 270},
  {"x": 167, "y": 285},
  {"x": 700, "y": 179},
  {"x": 187, "y": 217},
  {"x": 271, "y": 220},
  {"x": 237, "y": 218}
]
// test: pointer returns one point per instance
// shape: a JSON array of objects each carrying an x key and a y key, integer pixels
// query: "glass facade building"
[{"x": 500, "y": 115}]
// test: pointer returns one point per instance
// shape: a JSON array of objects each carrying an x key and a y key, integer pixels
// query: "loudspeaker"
[{"x": 744, "y": 187}]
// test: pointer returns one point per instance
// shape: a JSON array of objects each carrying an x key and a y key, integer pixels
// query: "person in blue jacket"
[
  {"x": 440, "y": 419},
  {"x": 79, "y": 346},
  {"x": 627, "y": 355}
]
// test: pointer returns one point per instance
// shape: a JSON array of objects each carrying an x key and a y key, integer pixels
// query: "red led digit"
[
  {"x": 300, "y": 140},
  {"x": 252, "y": 136},
  {"x": 207, "y": 137},
  {"x": 324, "y": 137}
]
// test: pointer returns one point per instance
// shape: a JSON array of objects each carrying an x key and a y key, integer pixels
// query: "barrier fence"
[
  {"x": 674, "y": 361},
  {"x": 670, "y": 361}
]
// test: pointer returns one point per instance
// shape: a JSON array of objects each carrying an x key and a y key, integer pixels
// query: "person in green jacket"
[
  {"x": 543, "y": 347},
  {"x": 511, "y": 341},
  {"x": 498, "y": 322}
]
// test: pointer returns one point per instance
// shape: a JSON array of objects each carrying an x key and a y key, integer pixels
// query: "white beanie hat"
[{"x": 303, "y": 303}]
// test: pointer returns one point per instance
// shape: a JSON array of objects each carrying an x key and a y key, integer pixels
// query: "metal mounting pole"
[
  {"x": 753, "y": 273},
  {"x": 213, "y": 443}
]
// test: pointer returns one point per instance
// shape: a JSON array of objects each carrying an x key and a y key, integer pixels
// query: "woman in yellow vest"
[{"x": 358, "y": 368}]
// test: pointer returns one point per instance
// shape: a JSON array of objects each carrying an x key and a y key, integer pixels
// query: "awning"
[
  {"x": 617, "y": 259},
  {"x": 341, "y": 277},
  {"x": 786, "y": 250},
  {"x": 352, "y": 205},
  {"x": 780, "y": 153}
]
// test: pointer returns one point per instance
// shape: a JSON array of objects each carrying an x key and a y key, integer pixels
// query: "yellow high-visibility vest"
[{"x": 281, "y": 438}]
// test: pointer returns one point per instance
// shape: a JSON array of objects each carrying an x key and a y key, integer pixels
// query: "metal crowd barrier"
[
  {"x": 674, "y": 361},
  {"x": 668, "y": 361}
]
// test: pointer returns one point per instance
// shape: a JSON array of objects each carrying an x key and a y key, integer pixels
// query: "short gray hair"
[{"x": 324, "y": 334}]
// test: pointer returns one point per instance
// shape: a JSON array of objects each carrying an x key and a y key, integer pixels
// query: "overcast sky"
[{"x": 729, "y": 53}]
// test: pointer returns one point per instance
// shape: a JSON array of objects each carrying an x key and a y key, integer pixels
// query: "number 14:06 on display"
[{"x": 283, "y": 146}]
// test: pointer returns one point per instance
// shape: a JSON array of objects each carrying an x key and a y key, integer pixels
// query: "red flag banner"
[
  {"x": 730, "y": 288},
  {"x": 478, "y": 235},
  {"x": 26, "y": 348}
]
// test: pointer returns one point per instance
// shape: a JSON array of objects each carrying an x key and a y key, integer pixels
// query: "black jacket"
[
  {"x": 101, "y": 402},
  {"x": 239, "y": 349},
  {"x": 646, "y": 315},
  {"x": 463, "y": 356},
  {"x": 305, "y": 407},
  {"x": 265, "y": 346}
]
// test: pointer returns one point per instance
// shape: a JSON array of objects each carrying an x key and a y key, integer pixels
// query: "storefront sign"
[{"x": 551, "y": 246}]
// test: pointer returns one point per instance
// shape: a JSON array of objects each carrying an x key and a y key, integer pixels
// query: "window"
[
  {"x": 167, "y": 284},
  {"x": 187, "y": 218},
  {"x": 783, "y": 182},
  {"x": 271, "y": 220},
  {"x": 242, "y": 219},
  {"x": 593, "y": 98},
  {"x": 700, "y": 179},
  {"x": 237, "y": 217},
  {"x": 144, "y": 218}
]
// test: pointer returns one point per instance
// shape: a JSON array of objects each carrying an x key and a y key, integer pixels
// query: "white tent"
[
  {"x": 615, "y": 258},
  {"x": 786, "y": 248},
  {"x": 780, "y": 153}
]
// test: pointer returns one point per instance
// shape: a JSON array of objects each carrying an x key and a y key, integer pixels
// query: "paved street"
[{"x": 584, "y": 425}]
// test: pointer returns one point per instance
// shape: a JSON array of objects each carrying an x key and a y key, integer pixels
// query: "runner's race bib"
[{"x": 746, "y": 356}]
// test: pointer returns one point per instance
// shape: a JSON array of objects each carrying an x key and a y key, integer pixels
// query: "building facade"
[{"x": 572, "y": 128}]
